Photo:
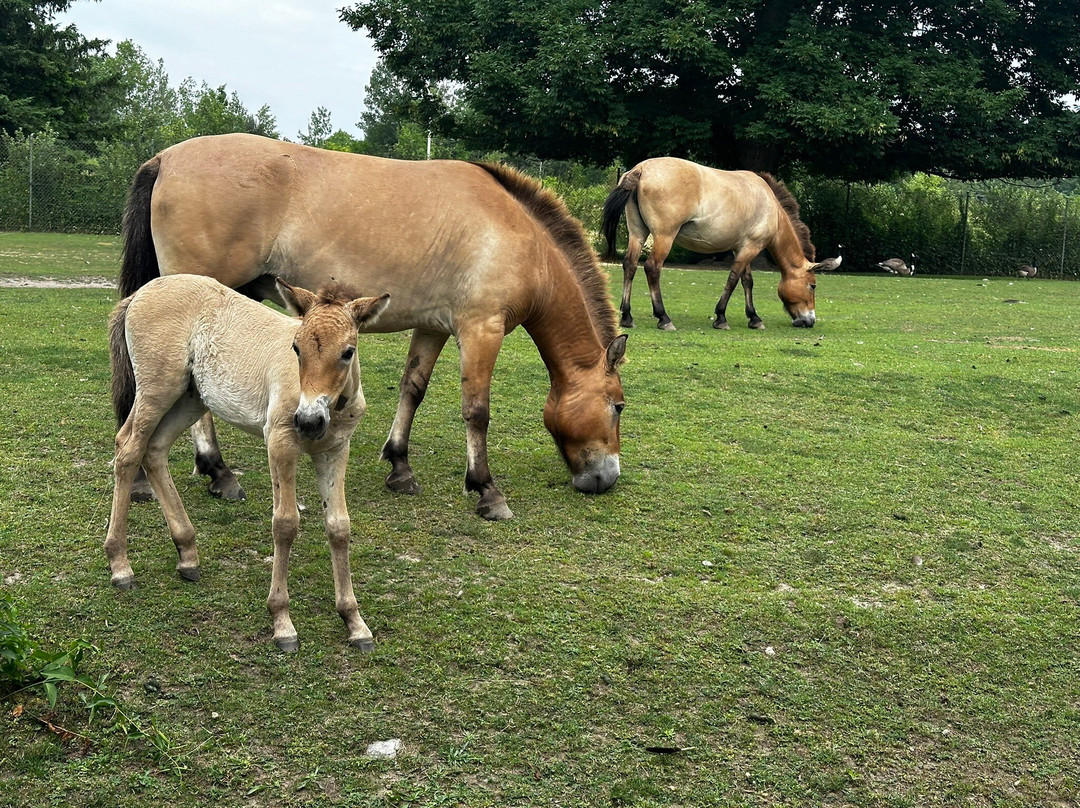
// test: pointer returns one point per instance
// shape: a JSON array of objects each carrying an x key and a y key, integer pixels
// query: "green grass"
[
  {"x": 839, "y": 569},
  {"x": 59, "y": 256}
]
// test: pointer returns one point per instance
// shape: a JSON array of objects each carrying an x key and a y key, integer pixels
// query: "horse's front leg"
[
  {"x": 748, "y": 291},
  {"x": 330, "y": 469},
  {"x": 208, "y": 461},
  {"x": 479, "y": 346},
  {"x": 423, "y": 351},
  {"x": 283, "y": 450},
  {"x": 721, "y": 304}
]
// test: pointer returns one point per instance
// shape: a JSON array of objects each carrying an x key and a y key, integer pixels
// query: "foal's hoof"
[
  {"x": 402, "y": 483},
  {"x": 189, "y": 574},
  {"x": 141, "y": 491},
  {"x": 721, "y": 325},
  {"x": 365, "y": 645},
  {"x": 125, "y": 583},
  {"x": 289, "y": 645},
  {"x": 494, "y": 509},
  {"x": 668, "y": 326},
  {"x": 757, "y": 325}
]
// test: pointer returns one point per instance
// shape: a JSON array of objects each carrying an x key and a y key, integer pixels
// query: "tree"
[
  {"x": 388, "y": 104},
  {"x": 319, "y": 128},
  {"x": 854, "y": 90},
  {"x": 52, "y": 76}
]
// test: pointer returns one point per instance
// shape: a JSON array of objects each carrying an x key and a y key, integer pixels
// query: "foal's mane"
[
  {"x": 568, "y": 234},
  {"x": 791, "y": 208}
]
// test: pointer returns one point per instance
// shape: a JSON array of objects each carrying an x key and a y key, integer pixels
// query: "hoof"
[
  {"x": 626, "y": 324},
  {"x": 289, "y": 645},
  {"x": 757, "y": 325},
  {"x": 141, "y": 491},
  {"x": 227, "y": 488},
  {"x": 402, "y": 483},
  {"x": 668, "y": 326},
  {"x": 365, "y": 645},
  {"x": 721, "y": 325},
  {"x": 189, "y": 574},
  {"x": 494, "y": 509},
  {"x": 127, "y": 582}
]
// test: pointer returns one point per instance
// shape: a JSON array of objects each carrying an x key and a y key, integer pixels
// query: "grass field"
[{"x": 840, "y": 568}]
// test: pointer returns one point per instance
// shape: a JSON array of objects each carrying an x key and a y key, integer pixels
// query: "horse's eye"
[
  {"x": 619, "y": 407},
  {"x": 347, "y": 354},
  {"x": 296, "y": 349},
  {"x": 813, "y": 286}
]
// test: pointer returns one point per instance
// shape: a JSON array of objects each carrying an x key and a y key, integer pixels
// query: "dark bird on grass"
[
  {"x": 1028, "y": 271},
  {"x": 897, "y": 266}
]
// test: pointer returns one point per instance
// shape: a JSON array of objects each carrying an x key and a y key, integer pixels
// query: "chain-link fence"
[{"x": 50, "y": 185}]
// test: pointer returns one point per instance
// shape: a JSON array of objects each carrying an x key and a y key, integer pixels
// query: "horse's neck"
[
  {"x": 565, "y": 336},
  {"x": 785, "y": 248}
]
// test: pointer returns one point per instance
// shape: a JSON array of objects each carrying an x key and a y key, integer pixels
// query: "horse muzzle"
[
  {"x": 806, "y": 320},
  {"x": 312, "y": 418},
  {"x": 598, "y": 476}
]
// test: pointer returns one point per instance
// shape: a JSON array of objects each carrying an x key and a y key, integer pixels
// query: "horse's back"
[{"x": 237, "y": 207}]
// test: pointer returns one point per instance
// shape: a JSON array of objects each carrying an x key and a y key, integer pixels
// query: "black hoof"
[
  {"x": 228, "y": 488},
  {"x": 142, "y": 492},
  {"x": 626, "y": 324},
  {"x": 190, "y": 574},
  {"x": 365, "y": 645},
  {"x": 402, "y": 483},
  {"x": 721, "y": 325},
  {"x": 494, "y": 509},
  {"x": 668, "y": 326},
  {"x": 289, "y": 645},
  {"x": 125, "y": 584},
  {"x": 756, "y": 325}
]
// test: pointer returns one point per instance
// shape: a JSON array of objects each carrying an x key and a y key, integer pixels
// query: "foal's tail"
[
  {"x": 123, "y": 373},
  {"x": 139, "y": 264},
  {"x": 614, "y": 206}
]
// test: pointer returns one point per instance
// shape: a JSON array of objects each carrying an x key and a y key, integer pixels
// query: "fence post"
[
  {"x": 964, "y": 229},
  {"x": 1064, "y": 235},
  {"x": 30, "y": 214},
  {"x": 847, "y": 212}
]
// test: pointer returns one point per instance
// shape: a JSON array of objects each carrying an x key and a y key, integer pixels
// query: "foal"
[{"x": 185, "y": 344}]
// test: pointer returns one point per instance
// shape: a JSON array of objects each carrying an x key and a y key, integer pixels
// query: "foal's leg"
[
  {"x": 423, "y": 351},
  {"x": 156, "y": 462},
  {"x": 330, "y": 469},
  {"x": 479, "y": 345},
  {"x": 282, "y": 450},
  {"x": 653, "y": 264},
  {"x": 208, "y": 461}
]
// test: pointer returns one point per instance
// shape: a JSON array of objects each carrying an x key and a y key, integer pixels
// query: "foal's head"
[
  {"x": 325, "y": 345},
  {"x": 583, "y": 418}
]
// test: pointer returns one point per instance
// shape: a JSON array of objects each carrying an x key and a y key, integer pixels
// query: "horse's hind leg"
[
  {"x": 653, "y": 264},
  {"x": 638, "y": 232},
  {"x": 208, "y": 461},
  {"x": 156, "y": 462},
  {"x": 330, "y": 470},
  {"x": 423, "y": 351},
  {"x": 479, "y": 349}
]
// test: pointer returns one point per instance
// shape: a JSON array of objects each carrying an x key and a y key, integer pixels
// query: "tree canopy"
[{"x": 971, "y": 90}]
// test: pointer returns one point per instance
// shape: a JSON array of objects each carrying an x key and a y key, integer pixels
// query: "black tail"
[
  {"x": 140, "y": 264},
  {"x": 123, "y": 374},
  {"x": 614, "y": 206}
]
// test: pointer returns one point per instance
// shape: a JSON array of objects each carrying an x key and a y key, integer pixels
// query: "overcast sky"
[{"x": 294, "y": 55}]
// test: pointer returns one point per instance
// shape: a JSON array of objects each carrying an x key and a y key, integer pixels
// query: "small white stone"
[
  {"x": 384, "y": 750},
  {"x": 770, "y": 651},
  {"x": 706, "y": 563}
]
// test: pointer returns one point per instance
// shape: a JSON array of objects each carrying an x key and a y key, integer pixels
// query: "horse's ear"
[
  {"x": 365, "y": 310},
  {"x": 829, "y": 264},
  {"x": 616, "y": 350},
  {"x": 297, "y": 300}
]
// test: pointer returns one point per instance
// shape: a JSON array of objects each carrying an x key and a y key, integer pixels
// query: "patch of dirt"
[{"x": 54, "y": 283}]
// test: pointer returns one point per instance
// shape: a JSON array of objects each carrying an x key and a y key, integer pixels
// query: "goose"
[
  {"x": 1028, "y": 270},
  {"x": 896, "y": 266}
]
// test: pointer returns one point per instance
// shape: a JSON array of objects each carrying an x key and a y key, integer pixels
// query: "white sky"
[{"x": 294, "y": 55}]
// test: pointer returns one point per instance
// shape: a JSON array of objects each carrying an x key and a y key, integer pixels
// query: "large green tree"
[
  {"x": 51, "y": 76},
  {"x": 869, "y": 89}
]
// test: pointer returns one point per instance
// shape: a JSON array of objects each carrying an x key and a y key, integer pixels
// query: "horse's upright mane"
[
  {"x": 568, "y": 234},
  {"x": 336, "y": 293},
  {"x": 791, "y": 208}
]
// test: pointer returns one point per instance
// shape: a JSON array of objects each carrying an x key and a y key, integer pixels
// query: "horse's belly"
[{"x": 694, "y": 237}]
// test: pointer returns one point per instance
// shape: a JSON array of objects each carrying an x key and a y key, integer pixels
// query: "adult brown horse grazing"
[
  {"x": 463, "y": 249},
  {"x": 707, "y": 210}
]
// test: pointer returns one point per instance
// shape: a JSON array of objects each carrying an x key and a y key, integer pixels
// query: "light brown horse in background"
[
  {"x": 185, "y": 345},
  {"x": 463, "y": 249},
  {"x": 707, "y": 210}
]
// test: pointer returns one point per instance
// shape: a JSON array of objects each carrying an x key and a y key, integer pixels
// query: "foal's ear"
[
  {"x": 365, "y": 310},
  {"x": 828, "y": 264},
  {"x": 297, "y": 300},
  {"x": 616, "y": 350}
]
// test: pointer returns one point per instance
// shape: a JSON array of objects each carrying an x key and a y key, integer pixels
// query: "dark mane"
[
  {"x": 567, "y": 233},
  {"x": 336, "y": 294},
  {"x": 791, "y": 207}
]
